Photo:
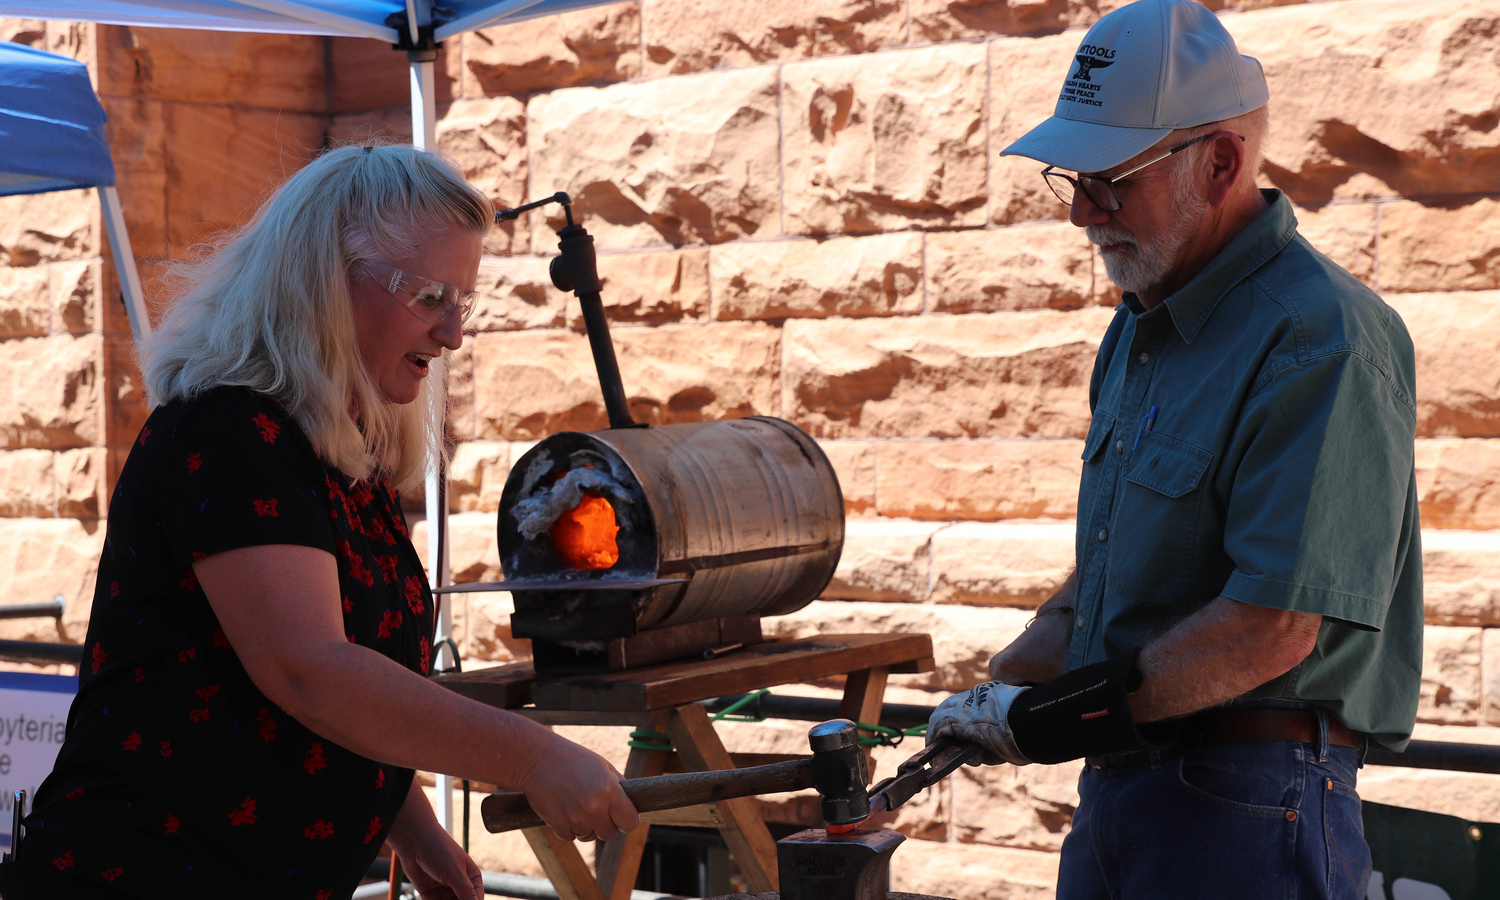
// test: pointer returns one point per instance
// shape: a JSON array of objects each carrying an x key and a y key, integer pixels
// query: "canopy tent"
[
  {"x": 413, "y": 26},
  {"x": 52, "y": 139}
]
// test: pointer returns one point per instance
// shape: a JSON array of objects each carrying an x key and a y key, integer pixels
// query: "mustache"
[{"x": 1101, "y": 235}]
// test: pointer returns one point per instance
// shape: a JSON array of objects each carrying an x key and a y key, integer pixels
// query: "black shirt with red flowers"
[{"x": 178, "y": 777}]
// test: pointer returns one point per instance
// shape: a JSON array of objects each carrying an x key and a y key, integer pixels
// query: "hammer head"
[{"x": 839, "y": 772}]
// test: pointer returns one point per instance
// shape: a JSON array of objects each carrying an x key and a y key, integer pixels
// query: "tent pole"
[
  {"x": 125, "y": 271},
  {"x": 424, "y": 136}
]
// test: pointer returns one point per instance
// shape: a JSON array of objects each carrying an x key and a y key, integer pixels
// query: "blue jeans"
[{"x": 1253, "y": 820}]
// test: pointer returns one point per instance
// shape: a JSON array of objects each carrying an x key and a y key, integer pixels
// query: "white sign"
[{"x": 33, "y": 717}]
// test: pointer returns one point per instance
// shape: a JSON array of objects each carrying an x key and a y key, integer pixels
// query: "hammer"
[{"x": 836, "y": 768}]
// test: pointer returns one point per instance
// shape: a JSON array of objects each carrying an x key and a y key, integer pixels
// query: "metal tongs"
[{"x": 941, "y": 758}]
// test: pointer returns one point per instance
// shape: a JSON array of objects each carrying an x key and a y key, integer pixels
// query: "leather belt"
[{"x": 1238, "y": 725}]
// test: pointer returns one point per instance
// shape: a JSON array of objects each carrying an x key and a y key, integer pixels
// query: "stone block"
[
  {"x": 963, "y": 637},
  {"x": 880, "y": 275},
  {"x": 26, "y": 485},
  {"x": 674, "y": 161},
  {"x": 946, "y": 20},
  {"x": 984, "y": 480},
  {"x": 651, "y": 288},
  {"x": 486, "y": 630},
  {"x": 366, "y": 75},
  {"x": 25, "y": 304},
  {"x": 1461, "y": 577},
  {"x": 55, "y": 386},
  {"x": 854, "y": 466},
  {"x": 31, "y": 32},
  {"x": 1025, "y": 77},
  {"x": 476, "y": 475},
  {"x": 266, "y": 71},
  {"x": 1345, "y": 233},
  {"x": 1453, "y": 246},
  {"x": 1450, "y": 675},
  {"x": 885, "y": 142},
  {"x": 42, "y": 558},
  {"x": 224, "y": 161},
  {"x": 460, "y": 369},
  {"x": 1042, "y": 266},
  {"x": 588, "y": 46},
  {"x": 1394, "y": 99},
  {"x": 1010, "y": 374},
  {"x": 516, "y": 293},
  {"x": 1455, "y": 397},
  {"x": 1468, "y": 795},
  {"x": 1028, "y": 807},
  {"x": 137, "y": 131},
  {"x": 884, "y": 559},
  {"x": 1001, "y": 563},
  {"x": 37, "y": 228},
  {"x": 702, "y": 34},
  {"x": 124, "y": 391},
  {"x": 528, "y": 385},
  {"x": 76, "y": 296},
  {"x": 1458, "y": 482},
  {"x": 1490, "y": 673},
  {"x": 83, "y": 482},
  {"x": 487, "y": 139},
  {"x": 973, "y": 872},
  {"x": 473, "y": 554}
]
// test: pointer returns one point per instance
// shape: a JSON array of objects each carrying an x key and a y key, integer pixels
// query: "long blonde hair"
[{"x": 270, "y": 309}]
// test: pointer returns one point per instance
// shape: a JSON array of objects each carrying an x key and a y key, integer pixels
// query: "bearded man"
[{"x": 1245, "y": 615}]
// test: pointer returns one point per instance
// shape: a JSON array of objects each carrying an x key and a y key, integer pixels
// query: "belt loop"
[
  {"x": 1322, "y": 733},
  {"x": 1155, "y": 760},
  {"x": 1364, "y": 747}
]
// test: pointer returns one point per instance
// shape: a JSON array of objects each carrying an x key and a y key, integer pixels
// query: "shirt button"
[
  {"x": 1103, "y": 535},
  {"x": 1119, "y": 446},
  {"x": 1143, "y": 358}
]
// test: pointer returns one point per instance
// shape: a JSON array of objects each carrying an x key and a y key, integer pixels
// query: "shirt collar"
[{"x": 1262, "y": 239}]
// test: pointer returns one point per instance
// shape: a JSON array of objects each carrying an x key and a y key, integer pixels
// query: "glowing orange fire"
[{"x": 584, "y": 536}]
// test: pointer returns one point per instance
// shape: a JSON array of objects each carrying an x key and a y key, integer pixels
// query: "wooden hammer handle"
[{"x": 507, "y": 811}]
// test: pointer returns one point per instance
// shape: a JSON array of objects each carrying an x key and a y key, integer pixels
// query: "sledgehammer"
[{"x": 836, "y": 769}]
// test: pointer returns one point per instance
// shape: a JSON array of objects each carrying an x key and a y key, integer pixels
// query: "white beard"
[{"x": 1138, "y": 267}]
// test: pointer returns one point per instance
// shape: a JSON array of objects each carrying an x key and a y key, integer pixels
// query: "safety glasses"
[{"x": 430, "y": 300}]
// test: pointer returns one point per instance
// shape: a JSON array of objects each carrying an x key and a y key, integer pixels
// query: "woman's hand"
[
  {"x": 434, "y": 863},
  {"x": 577, "y": 792}
]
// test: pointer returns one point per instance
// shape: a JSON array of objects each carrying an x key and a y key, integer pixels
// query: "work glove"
[{"x": 979, "y": 717}]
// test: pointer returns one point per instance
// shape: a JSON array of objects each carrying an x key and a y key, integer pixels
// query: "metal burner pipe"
[{"x": 604, "y": 361}]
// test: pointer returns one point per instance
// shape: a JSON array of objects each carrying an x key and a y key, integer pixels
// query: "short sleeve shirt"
[
  {"x": 1253, "y": 437},
  {"x": 178, "y": 777}
]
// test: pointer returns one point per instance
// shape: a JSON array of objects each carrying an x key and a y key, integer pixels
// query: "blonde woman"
[{"x": 252, "y": 703}]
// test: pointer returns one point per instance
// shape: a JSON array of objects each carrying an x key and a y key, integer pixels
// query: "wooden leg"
[
  {"x": 619, "y": 860},
  {"x": 563, "y": 864},
  {"x": 744, "y": 831},
  {"x": 864, "y": 695}
]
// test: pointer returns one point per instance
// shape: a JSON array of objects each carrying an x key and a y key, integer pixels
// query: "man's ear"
[{"x": 1225, "y": 159}]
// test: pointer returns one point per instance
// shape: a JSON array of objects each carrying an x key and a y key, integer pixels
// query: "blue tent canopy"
[{"x": 51, "y": 124}]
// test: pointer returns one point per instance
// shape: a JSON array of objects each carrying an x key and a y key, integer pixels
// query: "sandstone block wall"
[{"x": 802, "y": 213}]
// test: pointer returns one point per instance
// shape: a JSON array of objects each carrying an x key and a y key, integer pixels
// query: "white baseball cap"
[{"x": 1142, "y": 72}]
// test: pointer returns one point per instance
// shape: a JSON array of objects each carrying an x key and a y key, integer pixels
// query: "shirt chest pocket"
[{"x": 1154, "y": 554}]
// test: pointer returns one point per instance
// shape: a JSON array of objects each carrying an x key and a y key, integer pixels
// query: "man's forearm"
[
  {"x": 1219, "y": 653},
  {"x": 1040, "y": 653}
]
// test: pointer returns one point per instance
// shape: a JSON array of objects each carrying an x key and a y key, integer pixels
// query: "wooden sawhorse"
[{"x": 666, "y": 698}]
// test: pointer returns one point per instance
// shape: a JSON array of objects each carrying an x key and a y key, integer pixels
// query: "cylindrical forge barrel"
[{"x": 748, "y": 511}]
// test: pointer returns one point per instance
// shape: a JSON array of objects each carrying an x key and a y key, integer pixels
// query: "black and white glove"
[{"x": 980, "y": 716}]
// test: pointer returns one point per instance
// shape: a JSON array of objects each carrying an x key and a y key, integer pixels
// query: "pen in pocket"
[{"x": 1146, "y": 424}]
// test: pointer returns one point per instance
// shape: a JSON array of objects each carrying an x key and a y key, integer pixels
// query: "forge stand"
[{"x": 665, "y": 698}]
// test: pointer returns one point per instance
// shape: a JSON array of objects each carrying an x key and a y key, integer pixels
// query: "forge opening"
[{"x": 584, "y": 537}]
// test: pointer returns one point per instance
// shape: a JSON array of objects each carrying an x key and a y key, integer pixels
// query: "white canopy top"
[{"x": 349, "y": 18}]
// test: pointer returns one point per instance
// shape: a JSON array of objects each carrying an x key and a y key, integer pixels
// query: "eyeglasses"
[
  {"x": 1101, "y": 191},
  {"x": 430, "y": 300}
]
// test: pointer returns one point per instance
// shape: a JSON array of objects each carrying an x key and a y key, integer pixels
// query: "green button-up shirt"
[{"x": 1253, "y": 438}]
